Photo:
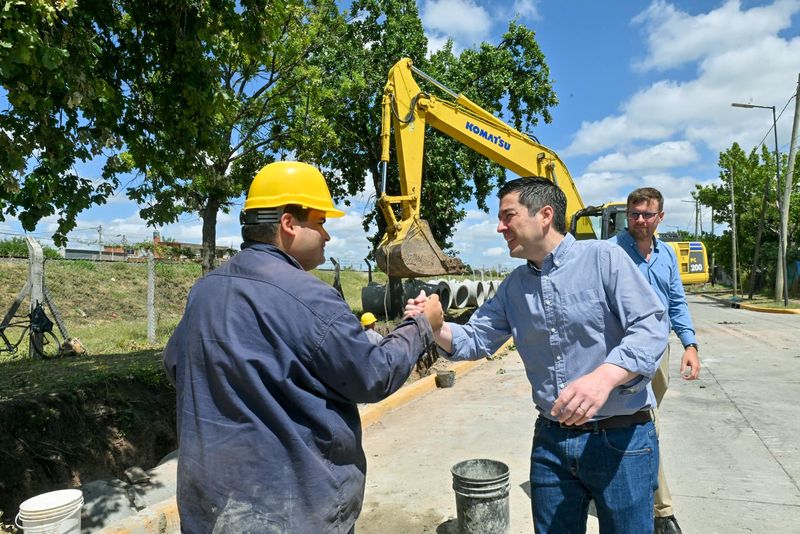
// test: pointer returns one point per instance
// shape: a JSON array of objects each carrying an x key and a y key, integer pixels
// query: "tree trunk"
[{"x": 209, "y": 251}]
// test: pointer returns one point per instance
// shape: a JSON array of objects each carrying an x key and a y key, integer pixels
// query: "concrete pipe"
[
  {"x": 372, "y": 296},
  {"x": 444, "y": 291},
  {"x": 460, "y": 293},
  {"x": 491, "y": 288},
  {"x": 412, "y": 287},
  {"x": 476, "y": 294}
]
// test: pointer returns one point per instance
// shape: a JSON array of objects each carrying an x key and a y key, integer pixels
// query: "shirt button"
[
  {"x": 558, "y": 358},
  {"x": 553, "y": 330},
  {"x": 547, "y": 302}
]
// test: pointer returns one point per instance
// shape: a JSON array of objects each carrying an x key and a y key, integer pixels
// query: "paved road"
[{"x": 730, "y": 440}]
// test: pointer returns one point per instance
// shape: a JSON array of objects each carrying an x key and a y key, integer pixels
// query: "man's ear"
[
  {"x": 547, "y": 214},
  {"x": 288, "y": 224}
]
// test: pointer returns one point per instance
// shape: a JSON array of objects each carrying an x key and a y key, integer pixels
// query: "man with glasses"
[{"x": 657, "y": 262}]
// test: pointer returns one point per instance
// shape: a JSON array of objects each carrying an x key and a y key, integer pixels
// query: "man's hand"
[
  {"x": 432, "y": 308},
  {"x": 583, "y": 397},
  {"x": 690, "y": 364},
  {"x": 415, "y": 306}
]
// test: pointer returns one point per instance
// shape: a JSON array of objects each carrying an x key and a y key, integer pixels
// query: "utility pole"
[
  {"x": 781, "y": 281},
  {"x": 712, "y": 221},
  {"x": 733, "y": 231}
]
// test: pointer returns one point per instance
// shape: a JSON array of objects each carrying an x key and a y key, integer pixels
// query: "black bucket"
[{"x": 481, "y": 488}]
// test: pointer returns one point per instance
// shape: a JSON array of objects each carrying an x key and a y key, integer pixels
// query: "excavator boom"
[{"x": 408, "y": 248}]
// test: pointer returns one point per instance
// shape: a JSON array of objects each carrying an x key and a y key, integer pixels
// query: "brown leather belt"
[{"x": 616, "y": 421}]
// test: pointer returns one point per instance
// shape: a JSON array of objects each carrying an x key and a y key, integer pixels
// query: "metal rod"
[{"x": 441, "y": 86}]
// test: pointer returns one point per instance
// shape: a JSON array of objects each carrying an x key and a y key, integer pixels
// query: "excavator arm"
[{"x": 408, "y": 248}]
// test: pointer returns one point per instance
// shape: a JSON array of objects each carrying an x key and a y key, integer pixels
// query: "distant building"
[{"x": 172, "y": 250}]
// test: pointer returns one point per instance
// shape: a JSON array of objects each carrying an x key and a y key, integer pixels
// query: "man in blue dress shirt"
[
  {"x": 657, "y": 262},
  {"x": 590, "y": 332}
]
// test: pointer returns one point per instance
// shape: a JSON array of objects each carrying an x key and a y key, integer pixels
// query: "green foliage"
[
  {"x": 17, "y": 247},
  {"x": 218, "y": 89},
  {"x": 57, "y": 67},
  {"x": 751, "y": 174},
  {"x": 512, "y": 74}
]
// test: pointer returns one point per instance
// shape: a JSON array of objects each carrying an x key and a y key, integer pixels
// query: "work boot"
[{"x": 666, "y": 525}]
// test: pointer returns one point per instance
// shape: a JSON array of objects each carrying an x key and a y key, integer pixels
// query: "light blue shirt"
[
  {"x": 586, "y": 306},
  {"x": 664, "y": 276}
]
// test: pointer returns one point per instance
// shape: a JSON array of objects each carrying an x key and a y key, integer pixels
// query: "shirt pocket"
[{"x": 584, "y": 316}]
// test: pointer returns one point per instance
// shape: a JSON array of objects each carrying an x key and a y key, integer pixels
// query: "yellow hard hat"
[
  {"x": 368, "y": 318},
  {"x": 290, "y": 182}
]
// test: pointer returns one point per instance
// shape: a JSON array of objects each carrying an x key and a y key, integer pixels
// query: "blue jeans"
[{"x": 618, "y": 468}]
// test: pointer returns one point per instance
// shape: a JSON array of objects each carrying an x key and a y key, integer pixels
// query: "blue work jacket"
[{"x": 269, "y": 364}]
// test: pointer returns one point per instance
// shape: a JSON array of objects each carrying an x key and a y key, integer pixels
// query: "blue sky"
[{"x": 645, "y": 92}]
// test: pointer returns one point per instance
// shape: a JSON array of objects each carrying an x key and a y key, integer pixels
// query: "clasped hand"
[{"x": 430, "y": 306}]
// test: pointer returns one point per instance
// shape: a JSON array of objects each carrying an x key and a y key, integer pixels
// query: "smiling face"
[
  {"x": 523, "y": 232},
  {"x": 643, "y": 219}
]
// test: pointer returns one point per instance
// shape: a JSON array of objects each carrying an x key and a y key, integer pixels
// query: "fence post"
[
  {"x": 151, "y": 298},
  {"x": 36, "y": 281}
]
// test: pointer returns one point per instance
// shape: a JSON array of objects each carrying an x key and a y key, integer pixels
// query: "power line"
[{"x": 776, "y": 120}]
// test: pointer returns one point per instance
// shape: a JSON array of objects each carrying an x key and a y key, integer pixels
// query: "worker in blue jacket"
[
  {"x": 269, "y": 364},
  {"x": 659, "y": 265}
]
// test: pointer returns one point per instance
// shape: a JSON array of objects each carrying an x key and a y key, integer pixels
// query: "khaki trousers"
[{"x": 663, "y": 498}]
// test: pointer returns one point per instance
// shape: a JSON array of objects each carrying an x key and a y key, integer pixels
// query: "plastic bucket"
[
  {"x": 55, "y": 512},
  {"x": 481, "y": 488},
  {"x": 445, "y": 379}
]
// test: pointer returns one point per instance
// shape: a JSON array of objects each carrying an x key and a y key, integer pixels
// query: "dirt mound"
[{"x": 62, "y": 440}]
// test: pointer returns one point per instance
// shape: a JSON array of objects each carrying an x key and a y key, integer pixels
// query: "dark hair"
[
  {"x": 268, "y": 232},
  {"x": 646, "y": 194},
  {"x": 535, "y": 193}
]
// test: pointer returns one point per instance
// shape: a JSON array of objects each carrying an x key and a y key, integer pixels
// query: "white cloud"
[
  {"x": 461, "y": 20},
  {"x": 675, "y": 37},
  {"x": 527, "y": 9},
  {"x": 495, "y": 252},
  {"x": 598, "y": 188},
  {"x": 661, "y": 156},
  {"x": 761, "y": 71}
]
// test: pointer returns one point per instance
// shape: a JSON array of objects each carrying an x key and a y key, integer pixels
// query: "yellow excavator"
[{"x": 408, "y": 248}]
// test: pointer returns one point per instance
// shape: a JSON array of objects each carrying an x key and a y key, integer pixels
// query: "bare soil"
[{"x": 92, "y": 431}]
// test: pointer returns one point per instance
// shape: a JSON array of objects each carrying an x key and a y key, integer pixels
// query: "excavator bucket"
[{"x": 413, "y": 252}]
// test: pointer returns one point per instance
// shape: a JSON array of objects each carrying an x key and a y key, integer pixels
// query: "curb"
[
  {"x": 156, "y": 519},
  {"x": 372, "y": 412},
  {"x": 767, "y": 310},
  {"x": 750, "y": 307}
]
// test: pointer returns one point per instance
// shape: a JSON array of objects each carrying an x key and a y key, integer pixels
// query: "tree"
[
  {"x": 512, "y": 73},
  {"x": 57, "y": 69},
  {"x": 215, "y": 91},
  {"x": 751, "y": 172}
]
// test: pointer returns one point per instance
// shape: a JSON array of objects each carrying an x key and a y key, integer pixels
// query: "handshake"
[{"x": 429, "y": 306}]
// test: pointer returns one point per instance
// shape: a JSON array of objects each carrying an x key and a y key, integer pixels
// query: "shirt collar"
[
  {"x": 555, "y": 257},
  {"x": 629, "y": 241},
  {"x": 270, "y": 249}
]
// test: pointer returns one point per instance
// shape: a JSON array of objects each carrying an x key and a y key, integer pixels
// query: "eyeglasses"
[{"x": 646, "y": 215}]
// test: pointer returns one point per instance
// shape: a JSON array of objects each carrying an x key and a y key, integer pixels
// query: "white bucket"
[{"x": 55, "y": 512}]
